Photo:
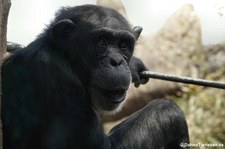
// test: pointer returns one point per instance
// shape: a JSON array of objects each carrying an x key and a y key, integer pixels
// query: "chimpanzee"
[{"x": 55, "y": 90}]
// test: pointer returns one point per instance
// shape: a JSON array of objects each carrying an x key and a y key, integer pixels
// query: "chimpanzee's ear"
[
  {"x": 137, "y": 31},
  {"x": 61, "y": 32}
]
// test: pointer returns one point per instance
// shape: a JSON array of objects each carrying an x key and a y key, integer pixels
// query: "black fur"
[
  {"x": 55, "y": 89},
  {"x": 159, "y": 124}
]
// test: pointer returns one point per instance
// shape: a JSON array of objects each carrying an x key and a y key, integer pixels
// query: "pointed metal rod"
[{"x": 181, "y": 79}]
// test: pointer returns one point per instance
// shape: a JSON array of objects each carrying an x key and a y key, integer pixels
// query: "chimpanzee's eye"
[
  {"x": 123, "y": 45},
  {"x": 102, "y": 42}
]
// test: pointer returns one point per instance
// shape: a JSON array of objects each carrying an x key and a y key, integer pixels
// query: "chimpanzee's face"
[
  {"x": 111, "y": 76},
  {"x": 99, "y": 47}
]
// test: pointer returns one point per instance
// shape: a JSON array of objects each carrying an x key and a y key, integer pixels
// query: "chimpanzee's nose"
[{"x": 116, "y": 59}]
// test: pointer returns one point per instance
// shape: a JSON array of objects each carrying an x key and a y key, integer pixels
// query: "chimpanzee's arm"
[{"x": 160, "y": 124}]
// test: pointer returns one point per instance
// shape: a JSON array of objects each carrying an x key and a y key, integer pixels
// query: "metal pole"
[{"x": 187, "y": 80}]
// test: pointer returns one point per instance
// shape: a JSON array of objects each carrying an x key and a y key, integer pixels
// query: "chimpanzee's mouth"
[{"x": 114, "y": 95}]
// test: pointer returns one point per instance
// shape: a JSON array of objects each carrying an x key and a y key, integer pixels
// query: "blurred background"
[
  {"x": 28, "y": 18},
  {"x": 183, "y": 37}
]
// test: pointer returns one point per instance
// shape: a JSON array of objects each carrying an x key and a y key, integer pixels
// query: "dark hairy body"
[{"x": 55, "y": 90}]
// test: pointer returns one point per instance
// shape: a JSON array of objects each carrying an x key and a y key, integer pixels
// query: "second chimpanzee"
[{"x": 55, "y": 89}]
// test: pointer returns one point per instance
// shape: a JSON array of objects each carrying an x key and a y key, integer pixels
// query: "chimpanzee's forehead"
[
  {"x": 108, "y": 21},
  {"x": 95, "y": 15},
  {"x": 105, "y": 18}
]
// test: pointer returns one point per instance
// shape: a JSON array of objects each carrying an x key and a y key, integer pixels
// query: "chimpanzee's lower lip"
[{"x": 115, "y": 96}]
